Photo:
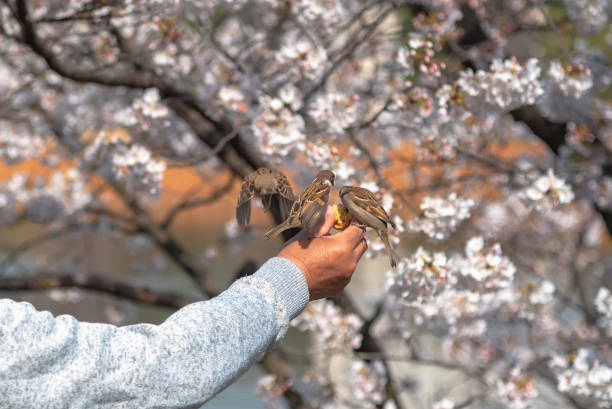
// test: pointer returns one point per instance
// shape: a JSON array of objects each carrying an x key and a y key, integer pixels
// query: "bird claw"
[{"x": 360, "y": 225}]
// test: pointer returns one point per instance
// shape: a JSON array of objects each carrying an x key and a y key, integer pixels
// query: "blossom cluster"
[
  {"x": 547, "y": 192},
  {"x": 486, "y": 266},
  {"x": 322, "y": 155},
  {"x": 578, "y": 134},
  {"x": 507, "y": 85},
  {"x": 63, "y": 195},
  {"x": 334, "y": 111},
  {"x": 518, "y": 390},
  {"x": 303, "y": 59},
  {"x": 418, "y": 56},
  {"x": 270, "y": 389},
  {"x": 16, "y": 145},
  {"x": 416, "y": 105},
  {"x": 603, "y": 305},
  {"x": 130, "y": 164},
  {"x": 143, "y": 109},
  {"x": 435, "y": 142},
  {"x": 427, "y": 286},
  {"x": 232, "y": 98},
  {"x": 582, "y": 376},
  {"x": 588, "y": 15},
  {"x": 368, "y": 380},
  {"x": 572, "y": 80},
  {"x": 603, "y": 302},
  {"x": 439, "y": 24},
  {"x": 278, "y": 130},
  {"x": 440, "y": 217},
  {"x": 334, "y": 329},
  {"x": 323, "y": 13}
]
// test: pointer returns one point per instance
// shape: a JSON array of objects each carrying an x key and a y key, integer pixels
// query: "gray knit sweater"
[{"x": 59, "y": 362}]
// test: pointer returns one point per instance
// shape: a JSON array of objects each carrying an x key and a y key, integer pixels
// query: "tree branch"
[{"x": 118, "y": 288}]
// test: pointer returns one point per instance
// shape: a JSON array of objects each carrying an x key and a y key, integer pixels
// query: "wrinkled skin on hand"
[{"x": 327, "y": 261}]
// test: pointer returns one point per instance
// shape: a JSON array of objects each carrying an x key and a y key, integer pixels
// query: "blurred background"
[{"x": 126, "y": 129}]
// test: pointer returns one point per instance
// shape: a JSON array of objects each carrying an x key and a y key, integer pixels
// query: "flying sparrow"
[
  {"x": 367, "y": 209},
  {"x": 266, "y": 184},
  {"x": 309, "y": 207}
]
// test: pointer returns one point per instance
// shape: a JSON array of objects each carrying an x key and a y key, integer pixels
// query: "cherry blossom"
[
  {"x": 518, "y": 391},
  {"x": 440, "y": 217},
  {"x": 482, "y": 124},
  {"x": 571, "y": 80},
  {"x": 584, "y": 377},
  {"x": 368, "y": 381},
  {"x": 504, "y": 87},
  {"x": 547, "y": 192},
  {"x": 331, "y": 327}
]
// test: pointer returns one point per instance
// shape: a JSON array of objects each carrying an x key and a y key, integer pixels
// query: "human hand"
[{"x": 327, "y": 261}]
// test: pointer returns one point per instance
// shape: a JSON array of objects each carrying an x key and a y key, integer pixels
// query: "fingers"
[
  {"x": 325, "y": 223},
  {"x": 361, "y": 248},
  {"x": 352, "y": 234}
]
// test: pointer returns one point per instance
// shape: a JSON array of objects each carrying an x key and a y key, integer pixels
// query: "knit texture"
[{"x": 59, "y": 362}]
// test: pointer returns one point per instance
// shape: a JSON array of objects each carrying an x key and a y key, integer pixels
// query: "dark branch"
[{"x": 99, "y": 283}]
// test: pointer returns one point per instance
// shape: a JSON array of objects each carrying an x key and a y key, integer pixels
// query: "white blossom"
[
  {"x": 518, "y": 391},
  {"x": 270, "y": 389},
  {"x": 232, "y": 98},
  {"x": 443, "y": 404},
  {"x": 323, "y": 13},
  {"x": 428, "y": 286},
  {"x": 334, "y": 112},
  {"x": 572, "y": 80},
  {"x": 547, "y": 192},
  {"x": 584, "y": 377},
  {"x": 17, "y": 145},
  {"x": 332, "y": 328},
  {"x": 125, "y": 162},
  {"x": 603, "y": 302},
  {"x": 588, "y": 15},
  {"x": 440, "y": 217},
  {"x": 368, "y": 381},
  {"x": 307, "y": 59},
  {"x": 149, "y": 104},
  {"x": 278, "y": 130},
  {"x": 542, "y": 294},
  {"x": 507, "y": 85}
]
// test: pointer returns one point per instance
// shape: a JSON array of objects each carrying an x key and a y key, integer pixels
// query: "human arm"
[{"x": 57, "y": 362}]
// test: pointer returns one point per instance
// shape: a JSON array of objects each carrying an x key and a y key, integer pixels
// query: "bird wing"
[
  {"x": 284, "y": 188},
  {"x": 243, "y": 208},
  {"x": 365, "y": 199},
  {"x": 286, "y": 197}
]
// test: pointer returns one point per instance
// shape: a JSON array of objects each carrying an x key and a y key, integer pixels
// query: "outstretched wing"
[
  {"x": 282, "y": 198},
  {"x": 243, "y": 208},
  {"x": 284, "y": 188}
]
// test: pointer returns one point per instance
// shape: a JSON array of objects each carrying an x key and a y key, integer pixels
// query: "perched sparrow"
[
  {"x": 264, "y": 183},
  {"x": 309, "y": 207},
  {"x": 367, "y": 209}
]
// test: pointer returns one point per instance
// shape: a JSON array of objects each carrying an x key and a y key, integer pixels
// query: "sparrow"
[
  {"x": 266, "y": 184},
  {"x": 310, "y": 205},
  {"x": 367, "y": 209}
]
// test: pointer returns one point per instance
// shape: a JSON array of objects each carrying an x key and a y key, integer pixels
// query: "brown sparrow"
[
  {"x": 309, "y": 207},
  {"x": 266, "y": 184},
  {"x": 367, "y": 209}
]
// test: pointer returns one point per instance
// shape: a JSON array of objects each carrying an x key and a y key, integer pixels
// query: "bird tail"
[
  {"x": 276, "y": 230},
  {"x": 385, "y": 238}
]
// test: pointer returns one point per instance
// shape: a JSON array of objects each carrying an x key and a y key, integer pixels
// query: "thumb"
[{"x": 325, "y": 223}]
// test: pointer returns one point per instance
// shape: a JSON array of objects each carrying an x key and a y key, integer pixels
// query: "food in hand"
[{"x": 342, "y": 217}]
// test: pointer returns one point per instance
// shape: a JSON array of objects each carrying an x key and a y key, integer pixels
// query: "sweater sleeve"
[{"x": 58, "y": 362}]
